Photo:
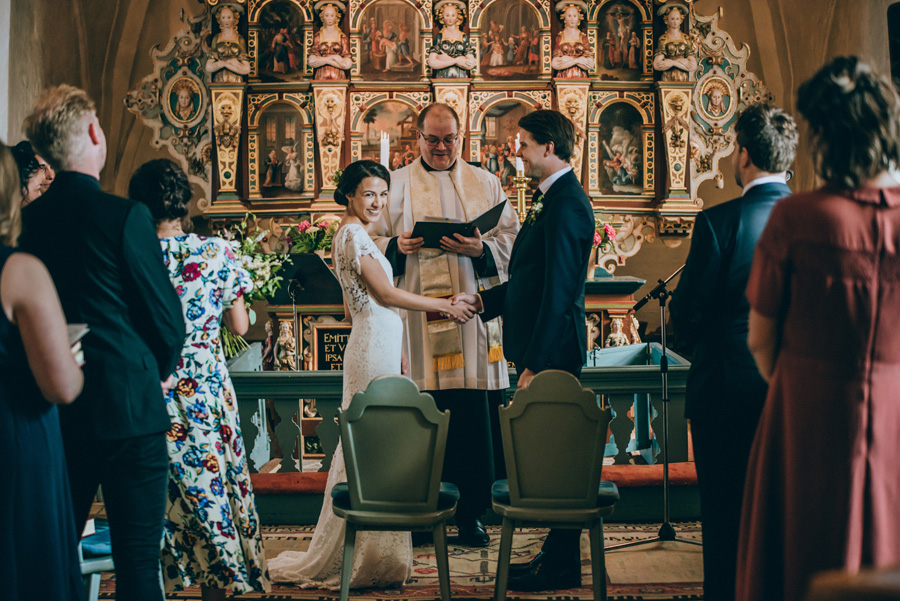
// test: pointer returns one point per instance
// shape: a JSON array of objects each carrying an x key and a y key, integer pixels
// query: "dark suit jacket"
[
  {"x": 543, "y": 301},
  {"x": 105, "y": 259},
  {"x": 709, "y": 310}
]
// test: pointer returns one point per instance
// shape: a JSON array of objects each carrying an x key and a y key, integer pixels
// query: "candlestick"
[
  {"x": 521, "y": 182},
  {"x": 520, "y": 167},
  {"x": 385, "y": 150}
]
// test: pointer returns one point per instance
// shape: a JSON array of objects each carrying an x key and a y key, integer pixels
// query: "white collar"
[
  {"x": 766, "y": 179},
  {"x": 551, "y": 179}
]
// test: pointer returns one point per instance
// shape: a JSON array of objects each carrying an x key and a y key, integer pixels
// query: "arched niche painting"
[
  {"x": 280, "y": 153},
  {"x": 619, "y": 41},
  {"x": 621, "y": 150},
  {"x": 280, "y": 42},
  {"x": 498, "y": 151},
  {"x": 510, "y": 41},
  {"x": 390, "y": 43},
  {"x": 398, "y": 121}
]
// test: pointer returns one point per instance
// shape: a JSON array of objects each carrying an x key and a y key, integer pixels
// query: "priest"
[{"x": 456, "y": 364}]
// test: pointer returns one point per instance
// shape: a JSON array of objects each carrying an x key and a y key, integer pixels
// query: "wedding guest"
[
  {"x": 549, "y": 264},
  {"x": 456, "y": 365},
  {"x": 823, "y": 482},
  {"x": 103, "y": 255},
  {"x": 725, "y": 392},
  {"x": 37, "y": 372},
  {"x": 34, "y": 172},
  {"x": 212, "y": 536},
  {"x": 374, "y": 349}
]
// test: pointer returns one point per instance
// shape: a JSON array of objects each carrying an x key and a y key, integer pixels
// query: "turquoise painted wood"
[{"x": 628, "y": 375}]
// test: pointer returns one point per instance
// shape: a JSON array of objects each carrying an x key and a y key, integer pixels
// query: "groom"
[{"x": 548, "y": 266}]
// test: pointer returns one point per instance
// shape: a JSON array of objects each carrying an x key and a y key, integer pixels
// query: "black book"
[{"x": 432, "y": 229}]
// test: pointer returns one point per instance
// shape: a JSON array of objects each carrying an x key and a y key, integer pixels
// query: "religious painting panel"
[
  {"x": 396, "y": 121},
  {"x": 499, "y": 129},
  {"x": 510, "y": 41},
  {"x": 621, "y": 150},
  {"x": 279, "y": 45},
  {"x": 620, "y": 41},
  {"x": 280, "y": 150},
  {"x": 391, "y": 46}
]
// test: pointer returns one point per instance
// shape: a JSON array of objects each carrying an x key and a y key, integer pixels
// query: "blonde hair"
[
  {"x": 10, "y": 198},
  {"x": 57, "y": 125}
]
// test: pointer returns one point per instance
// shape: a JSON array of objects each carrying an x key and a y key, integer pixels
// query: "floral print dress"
[{"x": 212, "y": 534}]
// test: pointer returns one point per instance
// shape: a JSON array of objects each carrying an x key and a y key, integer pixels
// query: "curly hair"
[
  {"x": 27, "y": 162},
  {"x": 854, "y": 122},
  {"x": 164, "y": 188},
  {"x": 769, "y": 135},
  {"x": 353, "y": 175},
  {"x": 10, "y": 198}
]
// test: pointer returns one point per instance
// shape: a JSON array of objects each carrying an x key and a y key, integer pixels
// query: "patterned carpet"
[{"x": 653, "y": 571}]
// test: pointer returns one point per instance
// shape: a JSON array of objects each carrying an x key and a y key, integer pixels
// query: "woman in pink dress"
[{"x": 823, "y": 486}]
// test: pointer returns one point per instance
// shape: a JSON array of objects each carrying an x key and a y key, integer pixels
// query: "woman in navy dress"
[{"x": 39, "y": 547}]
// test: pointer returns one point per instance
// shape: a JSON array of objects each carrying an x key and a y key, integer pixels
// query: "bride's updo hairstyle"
[
  {"x": 354, "y": 174},
  {"x": 854, "y": 122}
]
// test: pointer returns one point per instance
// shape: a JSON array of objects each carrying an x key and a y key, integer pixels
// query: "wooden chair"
[
  {"x": 393, "y": 439},
  {"x": 554, "y": 436}
]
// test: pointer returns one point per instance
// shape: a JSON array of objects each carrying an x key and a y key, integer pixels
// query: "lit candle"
[
  {"x": 520, "y": 167},
  {"x": 385, "y": 150}
]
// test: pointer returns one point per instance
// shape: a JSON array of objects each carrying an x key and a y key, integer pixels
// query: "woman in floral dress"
[{"x": 212, "y": 535}]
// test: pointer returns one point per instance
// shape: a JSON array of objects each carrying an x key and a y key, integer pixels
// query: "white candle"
[
  {"x": 520, "y": 167},
  {"x": 385, "y": 150}
]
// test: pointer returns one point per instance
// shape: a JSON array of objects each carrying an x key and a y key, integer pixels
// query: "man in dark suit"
[
  {"x": 725, "y": 392},
  {"x": 548, "y": 267},
  {"x": 104, "y": 257}
]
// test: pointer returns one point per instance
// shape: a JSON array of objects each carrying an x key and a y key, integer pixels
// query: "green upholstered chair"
[
  {"x": 554, "y": 436},
  {"x": 393, "y": 440}
]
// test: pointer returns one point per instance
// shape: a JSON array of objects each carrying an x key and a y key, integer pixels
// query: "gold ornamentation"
[
  {"x": 330, "y": 100},
  {"x": 572, "y": 100},
  {"x": 227, "y": 101}
]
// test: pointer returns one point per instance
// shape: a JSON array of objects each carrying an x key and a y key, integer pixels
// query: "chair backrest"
[
  {"x": 393, "y": 439},
  {"x": 554, "y": 437}
]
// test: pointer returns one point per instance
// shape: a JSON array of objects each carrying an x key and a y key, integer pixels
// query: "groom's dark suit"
[
  {"x": 542, "y": 303},
  {"x": 105, "y": 260},
  {"x": 725, "y": 392}
]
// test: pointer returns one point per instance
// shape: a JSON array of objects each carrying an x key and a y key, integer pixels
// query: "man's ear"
[
  {"x": 550, "y": 149},
  {"x": 743, "y": 157},
  {"x": 92, "y": 132}
]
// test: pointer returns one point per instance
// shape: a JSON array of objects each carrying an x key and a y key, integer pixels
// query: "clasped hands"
[{"x": 463, "y": 306}]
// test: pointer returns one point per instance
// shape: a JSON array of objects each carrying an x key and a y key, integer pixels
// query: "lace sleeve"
[{"x": 353, "y": 243}]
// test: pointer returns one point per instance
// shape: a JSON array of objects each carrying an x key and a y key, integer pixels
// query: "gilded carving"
[
  {"x": 227, "y": 102},
  {"x": 675, "y": 104},
  {"x": 572, "y": 100},
  {"x": 329, "y": 101}
]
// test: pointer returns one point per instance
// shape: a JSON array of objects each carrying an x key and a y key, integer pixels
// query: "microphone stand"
[{"x": 666, "y": 531}]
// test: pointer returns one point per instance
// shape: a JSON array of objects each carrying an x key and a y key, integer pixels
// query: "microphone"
[{"x": 657, "y": 290}]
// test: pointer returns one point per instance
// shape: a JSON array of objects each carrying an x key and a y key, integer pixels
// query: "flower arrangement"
[
  {"x": 245, "y": 239},
  {"x": 604, "y": 235},
  {"x": 306, "y": 237}
]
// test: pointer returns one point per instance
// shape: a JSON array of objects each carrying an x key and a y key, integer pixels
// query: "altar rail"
[{"x": 628, "y": 378}]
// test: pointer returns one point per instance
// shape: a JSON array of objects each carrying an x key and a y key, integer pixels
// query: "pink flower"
[
  {"x": 303, "y": 226},
  {"x": 598, "y": 239},
  {"x": 610, "y": 231},
  {"x": 322, "y": 224}
]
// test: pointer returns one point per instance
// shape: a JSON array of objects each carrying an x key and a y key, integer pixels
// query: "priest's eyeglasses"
[{"x": 434, "y": 141}]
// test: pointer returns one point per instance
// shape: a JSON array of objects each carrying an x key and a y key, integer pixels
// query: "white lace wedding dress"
[{"x": 381, "y": 559}]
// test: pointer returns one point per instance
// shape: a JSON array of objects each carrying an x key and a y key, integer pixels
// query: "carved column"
[
  {"x": 227, "y": 106},
  {"x": 456, "y": 95},
  {"x": 330, "y": 101},
  {"x": 675, "y": 102},
  {"x": 571, "y": 97}
]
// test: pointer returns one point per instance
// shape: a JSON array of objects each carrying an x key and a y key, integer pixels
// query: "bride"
[{"x": 381, "y": 559}]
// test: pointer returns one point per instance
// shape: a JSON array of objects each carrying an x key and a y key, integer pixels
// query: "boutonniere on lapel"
[{"x": 534, "y": 212}]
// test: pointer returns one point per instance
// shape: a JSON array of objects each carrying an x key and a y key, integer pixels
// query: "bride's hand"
[{"x": 460, "y": 312}]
